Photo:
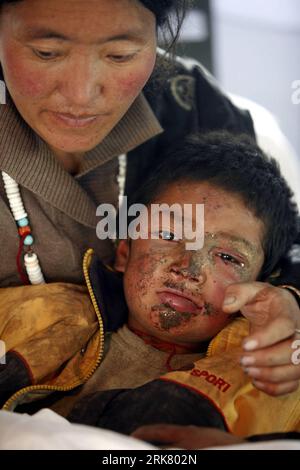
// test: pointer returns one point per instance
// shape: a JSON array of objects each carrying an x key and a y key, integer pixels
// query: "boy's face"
[{"x": 176, "y": 294}]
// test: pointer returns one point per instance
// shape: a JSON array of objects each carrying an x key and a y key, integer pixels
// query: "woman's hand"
[
  {"x": 274, "y": 316},
  {"x": 185, "y": 437}
]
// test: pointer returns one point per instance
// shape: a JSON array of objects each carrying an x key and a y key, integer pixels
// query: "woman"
[{"x": 74, "y": 73}]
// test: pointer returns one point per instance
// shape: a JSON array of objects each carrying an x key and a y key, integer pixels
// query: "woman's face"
[{"x": 74, "y": 67}]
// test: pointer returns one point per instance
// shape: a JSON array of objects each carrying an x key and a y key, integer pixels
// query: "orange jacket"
[{"x": 220, "y": 378}]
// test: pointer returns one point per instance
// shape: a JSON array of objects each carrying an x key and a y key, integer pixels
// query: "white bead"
[
  {"x": 15, "y": 197},
  {"x": 17, "y": 206},
  {"x": 12, "y": 191},
  {"x": 15, "y": 200},
  {"x": 33, "y": 269},
  {"x": 18, "y": 212},
  {"x": 35, "y": 273},
  {"x": 11, "y": 188},
  {"x": 7, "y": 179},
  {"x": 9, "y": 182},
  {"x": 36, "y": 282},
  {"x": 31, "y": 260},
  {"x": 36, "y": 279},
  {"x": 121, "y": 178},
  {"x": 20, "y": 215}
]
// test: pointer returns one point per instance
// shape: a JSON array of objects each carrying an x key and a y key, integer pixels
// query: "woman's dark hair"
[
  {"x": 169, "y": 15},
  {"x": 169, "y": 18},
  {"x": 3, "y": 2},
  {"x": 237, "y": 165}
]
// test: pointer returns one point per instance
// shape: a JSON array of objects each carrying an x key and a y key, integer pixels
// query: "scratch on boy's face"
[{"x": 177, "y": 294}]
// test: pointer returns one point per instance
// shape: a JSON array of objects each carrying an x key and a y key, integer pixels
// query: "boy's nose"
[{"x": 185, "y": 268}]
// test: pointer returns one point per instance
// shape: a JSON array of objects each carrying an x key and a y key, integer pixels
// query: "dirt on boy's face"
[{"x": 176, "y": 294}]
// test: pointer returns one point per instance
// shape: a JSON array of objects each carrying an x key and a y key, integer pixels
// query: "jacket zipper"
[
  {"x": 215, "y": 340},
  {"x": 34, "y": 388},
  {"x": 208, "y": 351}
]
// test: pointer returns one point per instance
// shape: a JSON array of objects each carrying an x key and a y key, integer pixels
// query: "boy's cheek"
[
  {"x": 149, "y": 262},
  {"x": 143, "y": 274},
  {"x": 214, "y": 317},
  {"x": 224, "y": 277},
  {"x": 215, "y": 294}
]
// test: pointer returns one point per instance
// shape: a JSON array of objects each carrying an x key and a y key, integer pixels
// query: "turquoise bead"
[
  {"x": 23, "y": 222},
  {"x": 28, "y": 240}
]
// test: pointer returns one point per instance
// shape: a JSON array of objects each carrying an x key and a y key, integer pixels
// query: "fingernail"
[
  {"x": 258, "y": 383},
  {"x": 247, "y": 360},
  {"x": 252, "y": 371},
  {"x": 229, "y": 300},
  {"x": 250, "y": 345}
]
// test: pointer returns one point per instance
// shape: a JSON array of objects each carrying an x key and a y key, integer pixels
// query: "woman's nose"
[{"x": 82, "y": 85}]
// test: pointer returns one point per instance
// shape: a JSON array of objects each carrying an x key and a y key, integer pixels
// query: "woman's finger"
[
  {"x": 276, "y": 390},
  {"x": 166, "y": 433},
  {"x": 279, "y": 355}
]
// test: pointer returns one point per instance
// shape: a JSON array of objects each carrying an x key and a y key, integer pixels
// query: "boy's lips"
[{"x": 179, "y": 301}]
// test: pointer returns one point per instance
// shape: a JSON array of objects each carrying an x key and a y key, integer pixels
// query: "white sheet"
[{"x": 47, "y": 430}]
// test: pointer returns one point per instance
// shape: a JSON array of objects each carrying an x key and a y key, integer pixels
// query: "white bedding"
[{"x": 47, "y": 430}]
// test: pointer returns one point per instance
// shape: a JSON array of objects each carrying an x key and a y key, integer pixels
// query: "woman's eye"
[
  {"x": 166, "y": 235},
  {"x": 45, "y": 55},
  {"x": 120, "y": 58},
  {"x": 228, "y": 259}
]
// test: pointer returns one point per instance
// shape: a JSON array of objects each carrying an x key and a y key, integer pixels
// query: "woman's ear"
[{"x": 122, "y": 256}]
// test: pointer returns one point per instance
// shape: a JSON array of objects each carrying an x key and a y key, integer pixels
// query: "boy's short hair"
[{"x": 236, "y": 164}]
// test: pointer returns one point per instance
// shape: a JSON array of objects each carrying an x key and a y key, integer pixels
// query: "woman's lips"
[
  {"x": 179, "y": 302},
  {"x": 69, "y": 120}
]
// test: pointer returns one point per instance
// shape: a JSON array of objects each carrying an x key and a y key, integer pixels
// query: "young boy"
[{"x": 172, "y": 317}]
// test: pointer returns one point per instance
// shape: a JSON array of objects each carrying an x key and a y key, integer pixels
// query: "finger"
[
  {"x": 167, "y": 433},
  {"x": 290, "y": 373},
  {"x": 276, "y": 390},
  {"x": 273, "y": 312},
  {"x": 277, "y": 330},
  {"x": 238, "y": 295},
  {"x": 278, "y": 355}
]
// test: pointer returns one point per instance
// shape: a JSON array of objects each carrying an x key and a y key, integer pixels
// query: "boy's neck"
[{"x": 167, "y": 346}]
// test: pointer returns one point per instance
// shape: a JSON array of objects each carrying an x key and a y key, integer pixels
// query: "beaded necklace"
[{"x": 31, "y": 261}]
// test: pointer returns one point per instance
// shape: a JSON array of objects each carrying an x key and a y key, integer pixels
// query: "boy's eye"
[
  {"x": 228, "y": 259},
  {"x": 167, "y": 235}
]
